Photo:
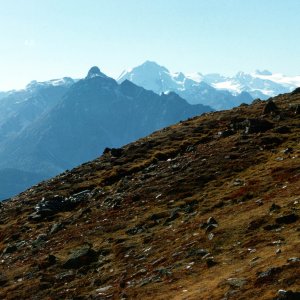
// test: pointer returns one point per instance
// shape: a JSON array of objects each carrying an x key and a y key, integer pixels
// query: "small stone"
[
  {"x": 210, "y": 236},
  {"x": 282, "y": 129},
  {"x": 238, "y": 182},
  {"x": 211, "y": 227},
  {"x": 56, "y": 227},
  {"x": 212, "y": 221},
  {"x": 251, "y": 250},
  {"x": 278, "y": 251},
  {"x": 259, "y": 202},
  {"x": 210, "y": 261},
  {"x": 274, "y": 207},
  {"x": 3, "y": 279},
  {"x": 103, "y": 289},
  {"x": 293, "y": 259},
  {"x": 10, "y": 249},
  {"x": 287, "y": 151},
  {"x": 287, "y": 295},
  {"x": 236, "y": 282}
]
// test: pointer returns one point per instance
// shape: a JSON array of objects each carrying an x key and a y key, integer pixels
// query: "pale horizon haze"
[{"x": 42, "y": 40}]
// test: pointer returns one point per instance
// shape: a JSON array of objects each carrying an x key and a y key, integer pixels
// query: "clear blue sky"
[{"x": 44, "y": 39}]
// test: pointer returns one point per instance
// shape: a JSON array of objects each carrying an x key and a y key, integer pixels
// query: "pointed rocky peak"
[
  {"x": 128, "y": 88},
  {"x": 95, "y": 72}
]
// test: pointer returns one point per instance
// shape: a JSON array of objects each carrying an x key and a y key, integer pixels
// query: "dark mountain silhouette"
[{"x": 94, "y": 113}]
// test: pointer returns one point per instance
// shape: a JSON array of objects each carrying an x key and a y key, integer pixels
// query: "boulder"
[
  {"x": 81, "y": 257},
  {"x": 287, "y": 219},
  {"x": 254, "y": 125},
  {"x": 50, "y": 206},
  {"x": 287, "y": 295},
  {"x": 270, "y": 107}
]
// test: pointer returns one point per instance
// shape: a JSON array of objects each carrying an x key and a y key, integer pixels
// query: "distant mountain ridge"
[
  {"x": 216, "y": 90},
  {"x": 81, "y": 120}
]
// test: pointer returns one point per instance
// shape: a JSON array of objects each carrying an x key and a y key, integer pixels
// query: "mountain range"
[
  {"x": 208, "y": 208},
  {"x": 53, "y": 126},
  {"x": 216, "y": 90}
]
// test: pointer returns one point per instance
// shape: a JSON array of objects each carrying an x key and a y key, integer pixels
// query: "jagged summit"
[{"x": 94, "y": 72}]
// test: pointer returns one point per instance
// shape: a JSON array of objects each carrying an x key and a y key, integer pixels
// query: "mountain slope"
[
  {"x": 20, "y": 108},
  {"x": 159, "y": 79},
  {"x": 94, "y": 113},
  {"x": 205, "y": 209}
]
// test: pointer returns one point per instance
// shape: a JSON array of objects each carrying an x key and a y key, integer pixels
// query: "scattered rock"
[
  {"x": 238, "y": 182},
  {"x": 41, "y": 239},
  {"x": 66, "y": 276},
  {"x": 113, "y": 201},
  {"x": 197, "y": 252},
  {"x": 210, "y": 236},
  {"x": 259, "y": 202},
  {"x": 287, "y": 219},
  {"x": 211, "y": 221},
  {"x": 211, "y": 227},
  {"x": 49, "y": 261},
  {"x": 257, "y": 223},
  {"x": 173, "y": 216},
  {"x": 158, "y": 216},
  {"x": 104, "y": 289},
  {"x": 135, "y": 230}
]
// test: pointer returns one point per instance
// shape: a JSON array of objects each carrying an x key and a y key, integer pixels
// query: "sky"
[{"x": 47, "y": 39}]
